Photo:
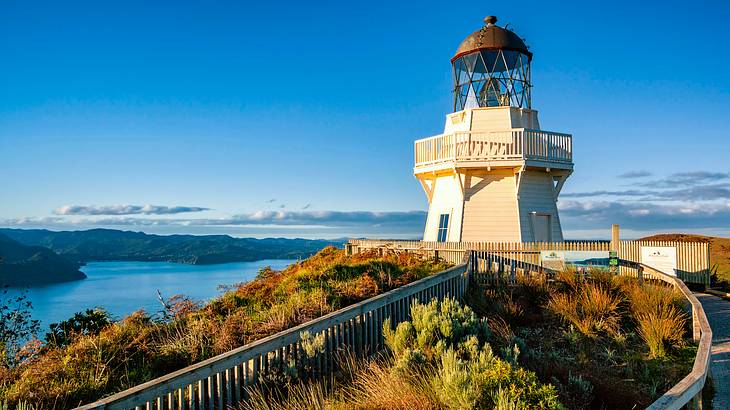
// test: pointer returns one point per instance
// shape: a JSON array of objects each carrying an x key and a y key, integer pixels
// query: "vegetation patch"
[
  {"x": 441, "y": 359},
  {"x": 603, "y": 341},
  {"x": 86, "y": 358},
  {"x": 579, "y": 341}
]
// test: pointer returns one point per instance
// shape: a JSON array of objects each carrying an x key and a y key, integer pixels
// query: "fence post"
[
  {"x": 640, "y": 273},
  {"x": 614, "y": 237}
]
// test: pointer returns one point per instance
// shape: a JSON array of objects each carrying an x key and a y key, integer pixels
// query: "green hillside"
[
  {"x": 109, "y": 244},
  {"x": 23, "y": 265}
]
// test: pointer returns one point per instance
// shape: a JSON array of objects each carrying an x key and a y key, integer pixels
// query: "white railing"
[
  {"x": 693, "y": 258},
  {"x": 515, "y": 144}
]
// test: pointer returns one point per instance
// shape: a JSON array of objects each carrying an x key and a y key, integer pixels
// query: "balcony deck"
[{"x": 511, "y": 148}]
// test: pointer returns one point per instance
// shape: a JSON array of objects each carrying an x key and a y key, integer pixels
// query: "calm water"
[{"x": 124, "y": 287}]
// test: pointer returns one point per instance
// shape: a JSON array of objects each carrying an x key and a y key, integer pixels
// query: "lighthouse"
[{"x": 494, "y": 174}]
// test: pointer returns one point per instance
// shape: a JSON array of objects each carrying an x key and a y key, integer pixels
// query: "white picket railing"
[
  {"x": 515, "y": 144},
  {"x": 693, "y": 258}
]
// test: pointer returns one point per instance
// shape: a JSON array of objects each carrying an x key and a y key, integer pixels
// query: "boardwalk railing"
[
  {"x": 220, "y": 382},
  {"x": 693, "y": 258},
  {"x": 688, "y": 392}
]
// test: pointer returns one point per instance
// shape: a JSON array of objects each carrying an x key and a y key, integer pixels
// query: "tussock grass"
[
  {"x": 592, "y": 309},
  {"x": 604, "y": 341},
  {"x": 662, "y": 329}
]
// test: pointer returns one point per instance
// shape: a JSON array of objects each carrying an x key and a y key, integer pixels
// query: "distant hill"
[
  {"x": 719, "y": 249},
  {"x": 23, "y": 265},
  {"x": 110, "y": 244}
]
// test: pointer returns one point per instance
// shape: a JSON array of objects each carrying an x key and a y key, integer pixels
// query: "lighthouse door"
[{"x": 541, "y": 228}]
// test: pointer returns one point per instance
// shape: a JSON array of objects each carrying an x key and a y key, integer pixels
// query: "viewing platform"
[{"x": 494, "y": 149}]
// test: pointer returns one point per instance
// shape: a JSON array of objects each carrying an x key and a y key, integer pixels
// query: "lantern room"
[{"x": 492, "y": 68}]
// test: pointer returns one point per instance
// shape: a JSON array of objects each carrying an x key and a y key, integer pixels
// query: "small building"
[{"x": 494, "y": 174}]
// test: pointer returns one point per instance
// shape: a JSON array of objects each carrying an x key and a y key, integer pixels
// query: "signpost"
[
  {"x": 613, "y": 261},
  {"x": 581, "y": 260},
  {"x": 661, "y": 258},
  {"x": 554, "y": 260}
]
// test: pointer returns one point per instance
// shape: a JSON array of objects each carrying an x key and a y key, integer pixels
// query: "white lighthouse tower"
[{"x": 493, "y": 175}]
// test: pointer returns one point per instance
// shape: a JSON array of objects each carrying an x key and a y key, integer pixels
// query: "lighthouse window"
[{"x": 443, "y": 227}]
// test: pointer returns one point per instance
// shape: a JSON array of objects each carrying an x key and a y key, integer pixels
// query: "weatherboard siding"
[
  {"x": 490, "y": 207},
  {"x": 447, "y": 199},
  {"x": 536, "y": 195}
]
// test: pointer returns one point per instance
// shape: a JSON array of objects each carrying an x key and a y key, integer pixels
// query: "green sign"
[{"x": 613, "y": 259}]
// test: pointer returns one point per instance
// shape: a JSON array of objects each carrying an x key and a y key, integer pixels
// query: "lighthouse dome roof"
[{"x": 492, "y": 37}]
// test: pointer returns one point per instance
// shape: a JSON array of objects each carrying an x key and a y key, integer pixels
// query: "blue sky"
[{"x": 298, "y": 119}]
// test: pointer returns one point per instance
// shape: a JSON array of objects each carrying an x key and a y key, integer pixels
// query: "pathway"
[{"x": 718, "y": 314}]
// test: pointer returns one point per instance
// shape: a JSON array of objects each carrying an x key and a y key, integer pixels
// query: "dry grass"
[
  {"x": 378, "y": 387},
  {"x": 299, "y": 397},
  {"x": 648, "y": 297},
  {"x": 662, "y": 329},
  {"x": 591, "y": 309},
  {"x": 364, "y": 385}
]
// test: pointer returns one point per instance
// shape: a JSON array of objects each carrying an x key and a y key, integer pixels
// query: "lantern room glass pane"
[{"x": 492, "y": 78}]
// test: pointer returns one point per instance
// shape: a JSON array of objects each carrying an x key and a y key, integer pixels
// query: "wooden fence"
[
  {"x": 693, "y": 258},
  {"x": 221, "y": 381}
]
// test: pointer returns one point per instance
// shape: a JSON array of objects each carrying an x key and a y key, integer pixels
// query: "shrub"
[
  {"x": 88, "y": 322},
  {"x": 647, "y": 297},
  {"x": 661, "y": 329},
  {"x": 504, "y": 401},
  {"x": 435, "y": 326},
  {"x": 591, "y": 309},
  {"x": 16, "y": 324},
  {"x": 448, "y": 342}
]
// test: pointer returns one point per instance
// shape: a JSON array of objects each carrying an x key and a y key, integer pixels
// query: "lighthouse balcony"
[{"x": 516, "y": 147}]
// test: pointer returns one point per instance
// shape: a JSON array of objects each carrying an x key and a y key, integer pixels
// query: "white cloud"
[
  {"x": 126, "y": 210},
  {"x": 635, "y": 174}
]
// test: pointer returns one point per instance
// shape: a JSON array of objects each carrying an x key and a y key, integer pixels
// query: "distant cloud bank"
[
  {"x": 126, "y": 210},
  {"x": 325, "y": 218},
  {"x": 636, "y": 174},
  {"x": 328, "y": 223},
  {"x": 685, "y": 200},
  {"x": 688, "y": 201}
]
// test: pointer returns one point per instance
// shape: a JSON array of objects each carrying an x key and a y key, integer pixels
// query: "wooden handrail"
[{"x": 690, "y": 387}]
